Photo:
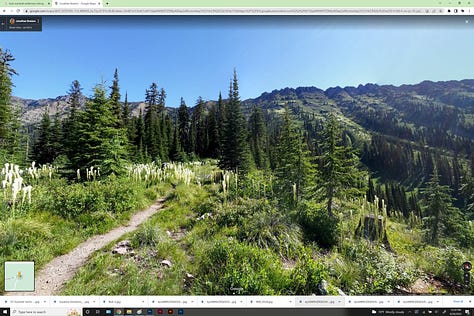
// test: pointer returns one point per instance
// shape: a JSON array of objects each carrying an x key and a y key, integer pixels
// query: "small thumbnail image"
[
  {"x": 73, "y": 312},
  {"x": 19, "y": 276}
]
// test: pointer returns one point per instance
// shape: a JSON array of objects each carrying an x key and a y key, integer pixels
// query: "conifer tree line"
[{"x": 101, "y": 132}]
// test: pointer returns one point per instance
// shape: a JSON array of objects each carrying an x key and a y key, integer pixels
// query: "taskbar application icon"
[{"x": 4, "y": 311}]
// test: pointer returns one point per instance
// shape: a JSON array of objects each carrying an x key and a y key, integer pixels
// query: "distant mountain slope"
[
  {"x": 416, "y": 113},
  {"x": 32, "y": 110}
]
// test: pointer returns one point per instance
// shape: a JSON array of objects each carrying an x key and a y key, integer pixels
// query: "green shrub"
[
  {"x": 238, "y": 211},
  {"x": 269, "y": 228},
  {"x": 259, "y": 222},
  {"x": 151, "y": 194},
  {"x": 445, "y": 262},
  {"x": 148, "y": 235},
  {"x": 22, "y": 233},
  {"x": 97, "y": 222},
  {"x": 229, "y": 267},
  {"x": 120, "y": 196},
  {"x": 112, "y": 195},
  {"x": 256, "y": 184},
  {"x": 378, "y": 271},
  {"x": 317, "y": 225},
  {"x": 307, "y": 276}
]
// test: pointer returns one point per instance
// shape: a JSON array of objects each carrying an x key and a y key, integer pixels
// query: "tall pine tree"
[
  {"x": 115, "y": 104},
  {"x": 339, "y": 176},
  {"x": 183, "y": 127},
  {"x": 221, "y": 119},
  {"x": 176, "y": 152},
  {"x": 235, "y": 150},
  {"x": 258, "y": 138},
  {"x": 8, "y": 127},
  {"x": 71, "y": 123},
  {"x": 139, "y": 140},
  {"x": 439, "y": 215},
  {"x": 100, "y": 142},
  {"x": 294, "y": 170},
  {"x": 212, "y": 133},
  {"x": 43, "y": 149},
  {"x": 199, "y": 138},
  {"x": 152, "y": 124}
]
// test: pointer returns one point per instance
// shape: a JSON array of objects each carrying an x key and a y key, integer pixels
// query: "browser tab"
[{"x": 321, "y": 301}]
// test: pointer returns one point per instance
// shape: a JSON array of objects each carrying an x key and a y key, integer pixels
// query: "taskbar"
[
  {"x": 153, "y": 311},
  {"x": 238, "y": 301},
  {"x": 275, "y": 312}
]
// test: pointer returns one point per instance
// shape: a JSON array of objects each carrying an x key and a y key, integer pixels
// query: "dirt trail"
[{"x": 50, "y": 279}]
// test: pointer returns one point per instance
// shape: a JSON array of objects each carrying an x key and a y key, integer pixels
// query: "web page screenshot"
[{"x": 238, "y": 157}]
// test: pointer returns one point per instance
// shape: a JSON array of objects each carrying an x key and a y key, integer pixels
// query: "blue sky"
[{"x": 195, "y": 56}]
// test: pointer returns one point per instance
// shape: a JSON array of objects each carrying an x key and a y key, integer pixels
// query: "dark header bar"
[{"x": 21, "y": 24}]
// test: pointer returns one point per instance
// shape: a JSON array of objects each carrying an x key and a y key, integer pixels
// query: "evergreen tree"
[
  {"x": 221, "y": 115},
  {"x": 166, "y": 135},
  {"x": 57, "y": 136},
  {"x": 176, "y": 152},
  {"x": 8, "y": 123},
  {"x": 115, "y": 100},
  {"x": 139, "y": 140},
  {"x": 439, "y": 214},
  {"x": 126, "y": 117},
  {"x": 129, "y": 124},
  {"x": 338, "y": 166},
  {"x": 183, "y": 127},
  {"x": 212, "y": 133},
  {"x": 164, "y": 123},
  {"x": 161, "y": 100},
  {"x": 371, "y": 191},
  {"x": 152, "y": 124},
  {"x": 100, "y": 142},
  {"x": 199, "y": 139},
  {"x": 294, "y": 169},
  {"x": 235, "y": 151},
  {"x": 71, "y": 123},
  {"x": 258, "y": 138},
  {"x": 43, "y": 149}
]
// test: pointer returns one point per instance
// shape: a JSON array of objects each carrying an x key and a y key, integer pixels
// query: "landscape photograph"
[{"x": 237, "y": 155}]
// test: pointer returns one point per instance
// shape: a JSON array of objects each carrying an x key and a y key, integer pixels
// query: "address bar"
[{"x": 235, "y": 11}]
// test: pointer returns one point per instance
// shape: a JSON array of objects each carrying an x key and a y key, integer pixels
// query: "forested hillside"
[{"x": 356, "y": 190}]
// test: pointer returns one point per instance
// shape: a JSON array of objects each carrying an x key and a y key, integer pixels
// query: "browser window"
[{"x": 240, "y": 157}]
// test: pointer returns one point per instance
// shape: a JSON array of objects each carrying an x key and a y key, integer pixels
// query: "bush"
[
  {"x": 236, "y": 213},
  {"x": 260, "y": 223},
  {"x": 378, "y": 271},
  {"x": 307, "y": 276},
  {"x": 269, "y": 228},
  {"x": 121, "y": 196},
  {"x": 97, "y": 222},
  {"x": 256, "y": 184},
  {"x": 317, "y": 225},
  {"x": 148, "y": 235},
  {"x": 70, "y": 201},
  {"x": 22, "y": 234},
  {"x": 445, "y": 262},
  {"x": 229, "y": 267}
]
